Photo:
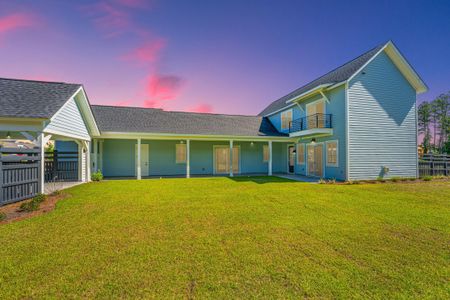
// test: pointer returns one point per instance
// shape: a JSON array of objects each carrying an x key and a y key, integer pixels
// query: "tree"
[
  {"x": 440, "y": 116},
  {"x": 424, "y": 120}
]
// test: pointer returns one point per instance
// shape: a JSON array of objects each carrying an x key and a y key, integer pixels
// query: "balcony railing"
[{"x": 311, "y": 122}]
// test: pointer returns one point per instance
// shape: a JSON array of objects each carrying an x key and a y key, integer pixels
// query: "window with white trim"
[
  {"x": 300, "y": 154},
  {"x": 286, "y": 118},
  {"x": 332, "y": 153},
  {"x": 180, "y": 153},
  {"x": 265, "y": 153}
]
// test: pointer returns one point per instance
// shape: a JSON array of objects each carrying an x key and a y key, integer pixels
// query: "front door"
[
  {"x": 144, "y": 159},
  {"x": 315, "y": 160},
  {"x": 291, "y": 159},
  {"x": 222, "y": 160}
]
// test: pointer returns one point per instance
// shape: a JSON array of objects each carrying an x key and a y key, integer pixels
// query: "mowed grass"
[{"x": 258, "y": 237}]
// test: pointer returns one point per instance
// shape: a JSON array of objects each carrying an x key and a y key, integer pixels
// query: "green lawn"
[{"x": 242, "y": 238}]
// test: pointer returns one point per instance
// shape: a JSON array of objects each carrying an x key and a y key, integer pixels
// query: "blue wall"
[{"x": 119, "y": 157}]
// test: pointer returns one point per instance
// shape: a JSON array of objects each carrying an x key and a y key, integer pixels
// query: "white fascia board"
[
  {"x": 192, "y": 137},
  {"x": 65, "y": 135},
  {"x": 309, "y": 92},
  {"x": 279, "y": 110}
]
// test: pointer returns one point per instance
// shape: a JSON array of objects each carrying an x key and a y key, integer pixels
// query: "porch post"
[
  {"x": 231, "y": 158},
  {"x": 270, "y": 159},
  {"x": 188, "y": 161},
  {"x": 88, "y": 161},
  {"x": 41, "y": 142},
  {"x": 95, "y": 166},
  {"x": 100, "y": 160},
  {"x": 138, "y": 163}
]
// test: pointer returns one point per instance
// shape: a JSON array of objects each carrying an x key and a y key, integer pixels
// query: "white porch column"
[
  {"x": 95, "y": 166},
  {"x": 138, "y": 163},
  {"x": 41, "y": 142},
  {"x": 100, "y": 159},
  {"x": 270, "y": 159},
  {"x": 88, "y": 161},
  {"x": 188, "y": 160},
  {"x": 231, "y": 158}
]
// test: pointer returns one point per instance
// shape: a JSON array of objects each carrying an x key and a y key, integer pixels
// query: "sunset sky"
[{"x": 212, "y": 56}]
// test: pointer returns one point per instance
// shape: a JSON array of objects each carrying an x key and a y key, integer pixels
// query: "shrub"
[
  {"x": 29, "y": 206},
  {"x": 381, "y": 179},
  {"x": 395, "y": 179},
  {"x": 427, "y": 178},
  {"x": 2, "y": 216},
  {"x": 39, "y": 198},
  {"x": 97, "y": 176},
  {"x": 332, "y": 181},
  {"x": 322, "y": 181}
]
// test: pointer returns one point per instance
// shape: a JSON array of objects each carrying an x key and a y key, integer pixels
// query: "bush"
[
  {"x": 33, "y": 204},
  {"x": 381, "y": 179},
  {"x": 427, "y": 178},
  {"x": 2, "y": 216},
  {"x": 395, "y": 179},
  {"x": 97, "y": 176},
  {"x": 39, "y": 198}
]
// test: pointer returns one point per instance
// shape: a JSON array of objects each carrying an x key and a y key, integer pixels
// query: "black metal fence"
[
  {"x": 311, "y": 122},
  {"x": 60, "y": 166},
  {"x": 19, "y": 174},
  {"x": 434, "y": 165}
]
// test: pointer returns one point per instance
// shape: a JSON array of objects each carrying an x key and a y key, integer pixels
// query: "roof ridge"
[
  {"x": 41, "y": 81},
  {"x": 177, "y": 111}
]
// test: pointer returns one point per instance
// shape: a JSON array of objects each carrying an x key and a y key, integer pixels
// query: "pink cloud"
[
  {"x": 201, "y": 108},
  {"x": 15, "y": 21},
  {"x": 148, "y": 52},
  {"x": 162, "y": 88}
]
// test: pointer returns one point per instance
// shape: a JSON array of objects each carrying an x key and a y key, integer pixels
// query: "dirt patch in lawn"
[{"x": 13, "y": 212}]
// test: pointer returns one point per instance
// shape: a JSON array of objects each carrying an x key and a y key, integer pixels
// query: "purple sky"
[{"x": 210, "y": 56}]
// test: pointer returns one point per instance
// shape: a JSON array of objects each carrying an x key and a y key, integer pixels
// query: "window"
[
  {"x": 265, "y": 153},
  {"x": 332, "y": 153},
  {"x": 286, "y": 118},
  {"x": 181, "y": 153},
  {"x": 300, "y": 154}
]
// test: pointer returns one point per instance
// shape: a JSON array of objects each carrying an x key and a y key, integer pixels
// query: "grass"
[{"x": 257, "y": 237}]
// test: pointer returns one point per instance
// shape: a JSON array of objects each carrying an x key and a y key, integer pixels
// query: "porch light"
[
  {"x": 181, "y": 142},
  {"x": 8, "y": 135},
  {"x": 313, "y": 141},
  {"x": 252, "y": 144}
]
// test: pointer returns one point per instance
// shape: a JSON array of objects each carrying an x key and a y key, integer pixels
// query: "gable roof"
[
  {"x": 337, "y": 75},
  {"x": 151, "y": 120},
  {"x": 33, "y": 99}
]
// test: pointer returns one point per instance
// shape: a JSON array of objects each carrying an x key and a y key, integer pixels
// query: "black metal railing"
[{"x": 311, "y": 122}]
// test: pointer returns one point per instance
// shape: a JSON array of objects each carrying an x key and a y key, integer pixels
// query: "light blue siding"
[
  {"x": 336, "y": 108},
  {"x": 119, "y": 158},
  {"x": 382, "y": 122},
  {"x": 69, "y": 121},
  {"x": 66, "y": 146},
  {"x": 276, "y": 118}
]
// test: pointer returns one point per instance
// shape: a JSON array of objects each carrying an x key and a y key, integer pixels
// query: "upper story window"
[
  {"x": 315, "y": 114},
  {"x": 286, "y": 118},
  {"x": 332, "y": 153},
  {"x": 180, "y": 153}
]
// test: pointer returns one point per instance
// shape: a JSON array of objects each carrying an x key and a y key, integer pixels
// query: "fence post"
[{"x": 1, "y": 177}]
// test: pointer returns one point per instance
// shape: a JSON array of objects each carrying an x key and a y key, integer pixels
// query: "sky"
[{"x": 232, "y": 57}]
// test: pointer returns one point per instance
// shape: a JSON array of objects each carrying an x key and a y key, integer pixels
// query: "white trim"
[
  {"x": 74, "y": 136},
  {"x": 324, "y": 96},
  {"x": 279, "y": 110},
  {"x": 336, "y": 165},
  {"x": 214, "y": 158},
  {"x": 91, "y": 121},
  {"x": 304, "y": 152},
  {"x": 269, "y": 167},
  {"x": 138, "y": 160},
  {"x": 281, "y": 118},
  {"x": 312, "y": 132},
  {"x": 188, "y": 158},
  {"x": 309, "y": 92},
  {"x": 347, "y": 137},
  {"x": 192, "y": 137}
]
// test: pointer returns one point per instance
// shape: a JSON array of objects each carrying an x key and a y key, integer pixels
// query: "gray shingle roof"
[
  {"x": 337, "y": 75},
  {"x": 33, "y": 99},
  {"x": 150, "y": 120}
]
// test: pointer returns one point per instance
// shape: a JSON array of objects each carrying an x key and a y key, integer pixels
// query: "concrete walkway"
[
  {"x": 50, "y": 187},
  {"x": 298, "y": 178}
]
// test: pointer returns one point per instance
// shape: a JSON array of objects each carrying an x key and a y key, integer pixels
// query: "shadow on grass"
[{"x": 260, "y": 179}]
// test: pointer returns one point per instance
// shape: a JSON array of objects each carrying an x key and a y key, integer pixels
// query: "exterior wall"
[
  {"x": 68, "y": 146},
  {"x": 275, "y": 119},
  {"x": 119, "y": 157},
  {"x": 382, "y": 122},
  {"x": 68, "y": 121},
  {"x": 336, "y": 107}
]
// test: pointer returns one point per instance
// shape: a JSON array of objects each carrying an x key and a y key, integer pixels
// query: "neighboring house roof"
[
  {"x": 151, "y": 120},
  {"x": 33, "y": 99},
  {"x": 337, "y": 75}
]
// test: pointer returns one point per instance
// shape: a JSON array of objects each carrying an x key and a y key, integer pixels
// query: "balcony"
[{"x": 317, "y": 124}]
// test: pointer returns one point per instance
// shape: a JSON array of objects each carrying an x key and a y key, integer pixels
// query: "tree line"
[{"x": 434, "y": 124}]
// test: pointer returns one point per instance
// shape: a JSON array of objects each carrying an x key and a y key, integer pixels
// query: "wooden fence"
[
  {"x": 19, "y": 174},
  {"x": 61, "y": 166},
  {"x": 434, "y": 165}
]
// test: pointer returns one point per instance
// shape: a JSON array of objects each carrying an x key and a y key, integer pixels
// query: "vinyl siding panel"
[
  {"x": 69, "y": 121},
  {"x": 382, "y": 122},
  {"x": 275, "y": 119}
]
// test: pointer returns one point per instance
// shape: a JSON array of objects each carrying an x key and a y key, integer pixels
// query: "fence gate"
[
  {"x": 61, "y": 166},
  {"x": 19, "y": 174}
]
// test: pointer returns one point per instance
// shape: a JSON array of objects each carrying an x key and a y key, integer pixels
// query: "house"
[{"x": 356, "y": 122}]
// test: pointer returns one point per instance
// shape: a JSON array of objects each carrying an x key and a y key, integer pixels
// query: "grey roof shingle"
[
  {"x": 337, "y": 75},
  {"x": 33, "y": 99},
  {"x": 151, "y": 120}
]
